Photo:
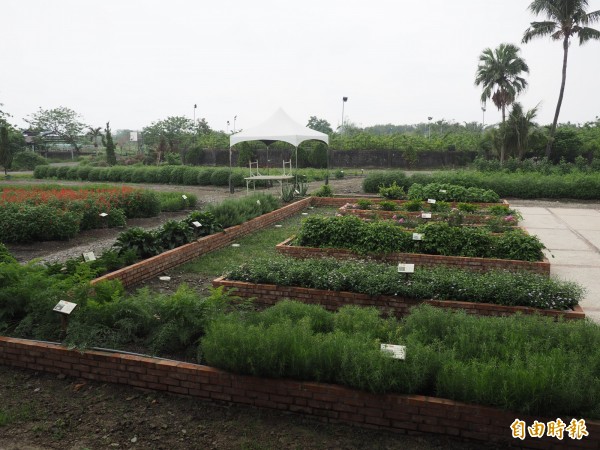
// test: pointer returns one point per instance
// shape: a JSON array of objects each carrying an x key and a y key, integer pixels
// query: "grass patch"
[{"x": 258, "y": 245}]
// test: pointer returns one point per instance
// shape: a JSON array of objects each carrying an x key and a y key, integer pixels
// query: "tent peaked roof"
[{"x": 279, "y": 127}]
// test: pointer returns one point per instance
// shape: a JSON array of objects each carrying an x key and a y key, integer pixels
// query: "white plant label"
[
  {"x": 305, "y": 214},
  {"x": 406, "y": 268},
  {"x": 258, "y": 202},
  {"x": 103, "y": 214},
  {"x": 164, "y": 278},
  {"x": 89, "y": 256},
  {"x": 64, "y": 307},
  {"x": 296, "y": 191},
  {"x": 417, "y": 236},
  {"x": 278, "y": 226},
  {"x": 426, "y": 215},
  {"x": 443, "y": 191},
  {"x": 431, "y": 201},
  {"x": 395, "y": 351},
  {"x": 235, "y": 245},
  {"x": 197, "y": 224},
  {"x": 184, "y": 197}
]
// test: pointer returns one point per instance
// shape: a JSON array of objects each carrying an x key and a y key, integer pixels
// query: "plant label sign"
[
  {"x": 103, "y": 214},
  {"x": 196, "y": 224},
  {"x": 443, "y": 191},
  {"x": 431, "y": 201},
  {"x": 296, "y": 191},
  {"x": 406, "y": 268},
  {"x": 64, "y": 307},
  {"x": 184, "y": 197},
  {"x": 89, "y": 256},
  {"x": 395, "y": 351},
  {"x": 278, "y": 226},
  {"x": 258, "y": 202},
  {"x": 417, "y": 236},
  {"x": 426, "y": 216}
]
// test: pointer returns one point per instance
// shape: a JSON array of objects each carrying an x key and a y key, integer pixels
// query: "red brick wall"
[
  {"x": 462, "y": 262},
  {"x": 468, "y": 219},
  {"x": 156, "y": 265},
  {"x": 266, "y": 295},
  {"x": 329, "y": 403}
]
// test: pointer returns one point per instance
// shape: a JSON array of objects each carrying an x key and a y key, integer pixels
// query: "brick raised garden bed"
[
  {"x": 419, "y": 259},
  {"x": 341, "y": 201},
  {"x": 267, "y": 295},
  {"x": 411, "y": 414}
]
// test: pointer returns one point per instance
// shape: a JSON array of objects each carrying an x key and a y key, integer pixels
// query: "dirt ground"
[{"x": 42, "y": 411}]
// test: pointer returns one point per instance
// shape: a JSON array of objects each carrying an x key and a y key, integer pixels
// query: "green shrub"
[
  {"x": 190, "y": 176},
  {"x": 144, "y": 243},
  {"x": 40, "y": 172},
  {"x": 413, "y": 205},
  {"x": 376, "y": 180},
  {"x": 364, "y": 204},
  {"x": 177, "y": 175},
  {"x": 388, "y": 206},
  {"x": 164, "y": 174},
  {"x": 324, "y": 191},
  {"x": 393, "y": 192},
  {"x": 467, "y": 207},
  {"x": 83, "y": 172},
  {"x": 27, "y": 223},
  {"x": 232, "y": 212},
  {"x": 27, "y": 161},
  {"x": 451, "y": 193},
  {"x": 208, "y": 223},
  {"x": 220, "y": 177},
  {"x": 5, "y": 255},
  {"x": 174, "y": 201},
  {"x": 61, "y": 172},
  {"x": 204, "y": 177},
  {"x": 174, "y": 234}
]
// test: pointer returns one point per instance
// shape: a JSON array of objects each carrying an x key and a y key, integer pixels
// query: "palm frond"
[
  {"x": 587, "y": 34},
  {"x": 539, "y": 29}
]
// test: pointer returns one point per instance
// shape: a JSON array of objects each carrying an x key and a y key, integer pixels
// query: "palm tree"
[
  {"x": 499, "y": 73},
  {"x": 518, "y": 129},
  {"x": 94, "y": 134},
  {"x": 566, "y": 18}
]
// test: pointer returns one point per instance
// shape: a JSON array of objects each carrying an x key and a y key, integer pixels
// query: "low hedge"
[
  {"x": 32, "y": 223},
  {"x": 574, "y": 185},
  {"x": 439, "y": 238},
  {"x": 451, "y": 193},
  {"x": 527, "y": 364},
  {"x": 365, "y": 277}
]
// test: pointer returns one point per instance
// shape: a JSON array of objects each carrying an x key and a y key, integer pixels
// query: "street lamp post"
[
  {"x": 344, "y": 100},
  {"x": 429, "y": 128},
  {"x": 228, "y": 127},
  {"x": 195, "y": 106},
  {"x": 234, "y": 119}
]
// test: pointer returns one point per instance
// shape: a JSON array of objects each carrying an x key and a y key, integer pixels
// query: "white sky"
[{"x": 137, "y": 61}]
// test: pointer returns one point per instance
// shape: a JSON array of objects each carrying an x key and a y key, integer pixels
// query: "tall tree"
[
  {"x": 566, "y": 19},
  {"x": 94, "y": 134},
  {"x": 518, "y": 129},
  {"x": 178, "y": 131},
  {"x": 62, "y": 122},
  {"x": 5, "y": 150},
  {"x": 111, "y": 158},
  {"x": 500, "y": 75},
  {"x": 321, "y": 125}
]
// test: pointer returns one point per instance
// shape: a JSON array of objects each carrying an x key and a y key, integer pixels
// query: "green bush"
[
  {"x": 144, "y": 243},
  {"x": 451, "y": 193},
  {"x": 190, "y": 176},
  {"x": 443, "y": 283},
  {"x": 232, "y": 212},
  {"x": 388, "y": 206},
  {"x": 40, "y": 172},
  {"x": 383, "y": 237},
  {"x": 174, "y": 201},
  {"x": 174, "y": 234},
  {"x": 82, "y": 172},
  {"x": 393, "y": 192},
  {"x": 204, "y": 177},
  {"x": 27, "y": 161},
  {"x": 220, "y": 177},
  {"x": 27, "y": 223},
  {"x": 324, "y": 191}
]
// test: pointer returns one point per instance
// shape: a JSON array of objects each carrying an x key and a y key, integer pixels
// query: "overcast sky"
[{"x": 137, "y": 61}]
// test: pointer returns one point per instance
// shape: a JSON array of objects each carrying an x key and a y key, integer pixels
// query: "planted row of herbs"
[
  {"x": 136, "y": 243},
  {"x": 574, "y": 185},
  {"x": 438, "y": 191},
  {"x": 520, "y": 363},
  {"x": 443, "y": 283},
  {"x": 50, "y": 213},
  {"x": 438, "y": 238}
]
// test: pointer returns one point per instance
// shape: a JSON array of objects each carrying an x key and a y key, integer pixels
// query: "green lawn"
[{"x": 256, "y": 245}]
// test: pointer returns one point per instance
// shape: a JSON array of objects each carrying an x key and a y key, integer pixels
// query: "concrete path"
[{"x": 571, "y": 234}]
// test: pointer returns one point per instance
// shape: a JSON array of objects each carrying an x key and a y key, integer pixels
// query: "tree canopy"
[
  {"x": 62, "y": 122},
  {"x": 321, "y": 125},
  {"x": 565, "y": 19}
]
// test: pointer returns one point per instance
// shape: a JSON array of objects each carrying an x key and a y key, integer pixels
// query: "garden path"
[{"x": 571, "y": 234}]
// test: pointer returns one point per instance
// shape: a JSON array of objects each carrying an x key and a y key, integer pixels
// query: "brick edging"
[
  {"x": 420, "y": 259},
  {"x": 154, "y": 266},
  {"x": 329, "y": 403},
  {"x": 266, "y": 295}
]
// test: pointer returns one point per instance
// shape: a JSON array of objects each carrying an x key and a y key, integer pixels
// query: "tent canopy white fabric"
[{"x": 279, "y": 127}]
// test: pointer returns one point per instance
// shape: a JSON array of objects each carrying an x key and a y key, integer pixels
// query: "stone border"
[
  {"x": 266, "y": 295},
  {"x": 406, "y": 414},
  {"x": 420, "y": 259}
]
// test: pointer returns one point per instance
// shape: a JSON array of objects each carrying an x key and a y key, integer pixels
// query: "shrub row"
[
  {"x": 439, "y": 238},
  {"x": 527, "y": 364},
  {"x": 168, "y": 174},
  {"x": 576, "y": 185},
  {"x": 543, "y": 165},
  {"x": 497, "y": 287},
  {"x": 451, "y": 193}
]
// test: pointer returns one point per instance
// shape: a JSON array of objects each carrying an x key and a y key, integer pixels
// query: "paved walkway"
[{"x": 572, "y": 237}]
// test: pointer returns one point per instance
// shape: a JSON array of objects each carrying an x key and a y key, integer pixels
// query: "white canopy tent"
[{"x": 279, "y": 127}]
